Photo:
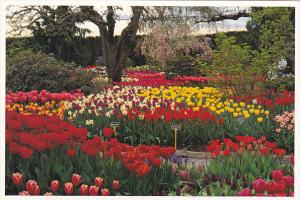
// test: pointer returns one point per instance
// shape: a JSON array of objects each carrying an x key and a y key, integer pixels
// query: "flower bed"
[
  {"x": 117, "y": 142},
  {"x": 47, "y": 148}
]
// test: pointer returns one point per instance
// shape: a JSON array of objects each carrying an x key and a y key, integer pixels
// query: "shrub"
[
  {"x": 181, "y": 65},
  {"x": 28, "y": 71}
]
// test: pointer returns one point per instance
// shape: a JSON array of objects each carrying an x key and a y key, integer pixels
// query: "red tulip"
[
  {"x": 279, "y": 152},
  {"x": 17, "y": 178},
  {"x": 76, "y": 178},
  {"x": 105, "y": 192},
  {"x": 277, "y": 175},
  {"x": 84, "y": 189},
  {"x": 37, "y": 190},
  {"x": 43, "y": 99},
  {"x": 288, "y": 181},
  {"x": 68, "y": 188},
  {"x": 98, "y": 181},
  {"x": 107, "y": 132},
  {"x": 275, "y": 187},
  {"x": 31, "y": 186},
  {"x": 245, "y": 192},
  {"x": 93, "y": 190},
  {"x": 259, "y": 186},
  {"x": 156, "y": 161},
  {"x": 115, "y": 185},
  {"x": 71, "y": 152},
  {"x": 249, "y": 146},
  {"x": 226, "y": 152},
  {"x": 264, "y": 150},
  {"x": 54, "y": 186}
]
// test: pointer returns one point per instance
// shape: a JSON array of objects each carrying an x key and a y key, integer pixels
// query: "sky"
[
  {"x": 201, "y": 29},
  {"x": 224, "y": 26}
]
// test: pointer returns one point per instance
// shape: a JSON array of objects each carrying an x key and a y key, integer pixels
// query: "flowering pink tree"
[{"x": 165, "y": 43}]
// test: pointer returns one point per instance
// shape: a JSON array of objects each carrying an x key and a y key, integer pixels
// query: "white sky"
[{"x": 223, "y": 26}]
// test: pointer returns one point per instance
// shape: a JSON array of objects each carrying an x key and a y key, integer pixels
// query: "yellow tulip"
[
  {"x": 259, "y": 120},
  {"x": 267, "y": 112},
  {"x": 235, "y": 114},
  {"x": 257, "y": 112}
]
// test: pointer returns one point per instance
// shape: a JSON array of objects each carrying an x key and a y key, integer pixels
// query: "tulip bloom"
[
  {"x": 115, "y": 185},
  {"x": 84, "y": 189},
  {"x": 275, "y": 187},
  {"x": 105, "y": 192},
  {"x": 68, "y": 188},
  {"x": 31, "y": 187},
  {"x": 76, "y": 178},
  {"x": 71, "y": 152},
  {"x": 288, "y": 181},
  {"x": 245, "y": 192},
  {"x": 17, "y": 178},
  {"x": 107, "y": 132},
  {"x": 259, "y": 186},
  {"x": 98, "y": 181},
  {"x": 277, "y": 175},
  {"x": 54, "y": 186},
  {"x": 37, "y": 190},
  {"x": 93, "y": 190}
]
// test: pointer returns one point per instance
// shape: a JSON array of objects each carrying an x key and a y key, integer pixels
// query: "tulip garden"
[{"x": 124, "y": 140}]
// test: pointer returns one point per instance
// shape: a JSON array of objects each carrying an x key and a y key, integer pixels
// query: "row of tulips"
[
  {"x": 257, "y": 146},
  {"x": 244, "y": 166},
  {"x": 42, "y": 96},
  {"x": 26, "y": 134},
  {"x": 280, "y": 186},
  {"x": 75, "y": 186},
  {"x": 142, "y": 113},
  {"x": 154, "y": 79},
  {"x": 47, "y": 148}
]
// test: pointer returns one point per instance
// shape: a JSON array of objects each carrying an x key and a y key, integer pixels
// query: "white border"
[{"x": 4, "y": 3}]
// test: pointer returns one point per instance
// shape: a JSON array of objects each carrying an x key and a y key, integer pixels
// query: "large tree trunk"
[{"x": 115, "y": 50}]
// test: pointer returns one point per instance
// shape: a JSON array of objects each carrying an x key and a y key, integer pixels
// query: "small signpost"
[
  {"x": 175, "y": 127},
  {"x": 114, "y": 125}
]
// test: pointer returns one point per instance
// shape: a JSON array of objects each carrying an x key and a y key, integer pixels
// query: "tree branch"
[{"x": 221, "y": 17}]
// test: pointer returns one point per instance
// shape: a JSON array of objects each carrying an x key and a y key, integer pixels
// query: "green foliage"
[
  {"x": 282, "y": 83},
  {"x": 273, "y": 28},
  {"x": 181, "y": 65},
  {"x": 237, "y": 65},
  {"x": 82, "y": 51},
  {"x": 36, "y": 71},
  {"x": 225, "y": 176}
]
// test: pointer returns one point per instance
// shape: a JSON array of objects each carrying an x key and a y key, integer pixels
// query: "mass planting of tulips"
[{"x": 120, "y": 141}]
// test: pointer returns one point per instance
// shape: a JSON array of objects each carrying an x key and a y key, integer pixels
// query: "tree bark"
[{"x": 115, "y": 50}]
